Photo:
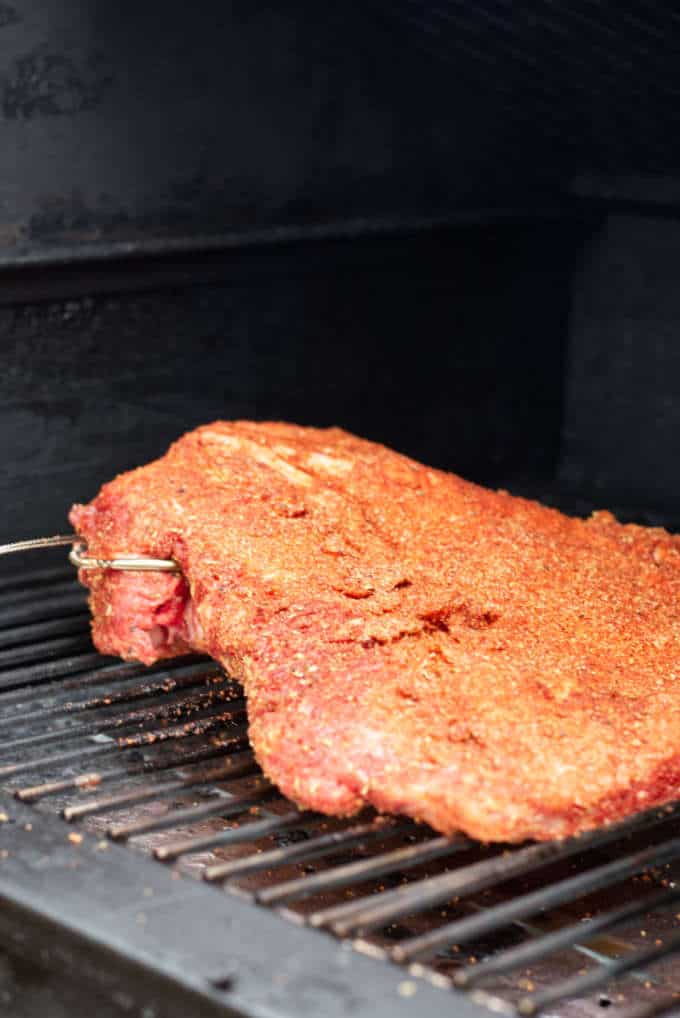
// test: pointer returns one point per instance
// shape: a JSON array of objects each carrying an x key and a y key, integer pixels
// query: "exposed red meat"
[{"x": 406, "y": 639}]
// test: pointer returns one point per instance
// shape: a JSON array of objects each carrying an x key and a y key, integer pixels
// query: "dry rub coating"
[{"x": 406, "y": 638}]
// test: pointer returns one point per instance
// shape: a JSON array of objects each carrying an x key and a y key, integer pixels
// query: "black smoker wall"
[
  {"x": 434, "y": 344},
  {"x": 133, "y": 120},
  {"x": 128, "y": 120}
]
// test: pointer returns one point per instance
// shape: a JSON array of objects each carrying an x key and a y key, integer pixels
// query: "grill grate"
[{"x": 158, "y": 758}]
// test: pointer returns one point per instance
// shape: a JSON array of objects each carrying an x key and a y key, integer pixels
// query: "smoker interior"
[
  {"x": 157, "y": 760},
  {"x": 536, "y": 355},
  {"x": 451, "y": 228}
]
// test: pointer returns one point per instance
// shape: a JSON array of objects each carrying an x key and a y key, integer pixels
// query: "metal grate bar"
[
  {"x": 48, "y": 607},
  {"x": 37, "y": 578},
  {"x": 33, "y": 675},
  {"x": 198, "y": 675},
  {"x": 57, "y": 589},
  {"x": 135, "y": 740},
  {"x": 143, "y": 717},
  {"x": 197, "y": 726},
  {"x": 362, "y": 869},
  {"x": 120, "y": 671},
  {"x": 569, "y": 936},
  {"x": 571, "y": 889},
  {"x": 232, "y": 836},
  {"x": 315, "y": 848},
  {"x": 308, "y": 849},
  {"x": 94, "y": 779},
  {"x": 581, "y": 984},
  {"x": 44, "y": 630},
  {"x": 57, "y": 759},
  {"x": 383, "y": 908},
  {"x": 150, "y": 792},
  {"x": 28, "y": 692},
  {"x": 226, "y": 807},
  {"x": 39, "y": 651}
]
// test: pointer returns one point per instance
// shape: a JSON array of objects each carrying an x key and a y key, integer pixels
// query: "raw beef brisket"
[{"x": 406, "y": 639}]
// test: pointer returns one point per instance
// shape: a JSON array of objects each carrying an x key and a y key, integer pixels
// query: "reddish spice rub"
[{"x": 406, "y": 639}]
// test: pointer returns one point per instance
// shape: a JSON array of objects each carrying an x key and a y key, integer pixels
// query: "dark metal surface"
[
  {"x": 245, "y": 117},
  {"x": 96, "y": 385},
  {"x": 240, "y": 117},
  {"x": 163, "y": 766},
  {"x": 597, "y": 82},
  {"x": 623, "y": 355}
]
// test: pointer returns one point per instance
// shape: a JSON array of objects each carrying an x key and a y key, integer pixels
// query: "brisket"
[{"x": 406, "y": 639}]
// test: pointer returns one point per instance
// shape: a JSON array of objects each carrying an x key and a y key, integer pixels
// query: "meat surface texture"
[{"x": 406, "y": 639}]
